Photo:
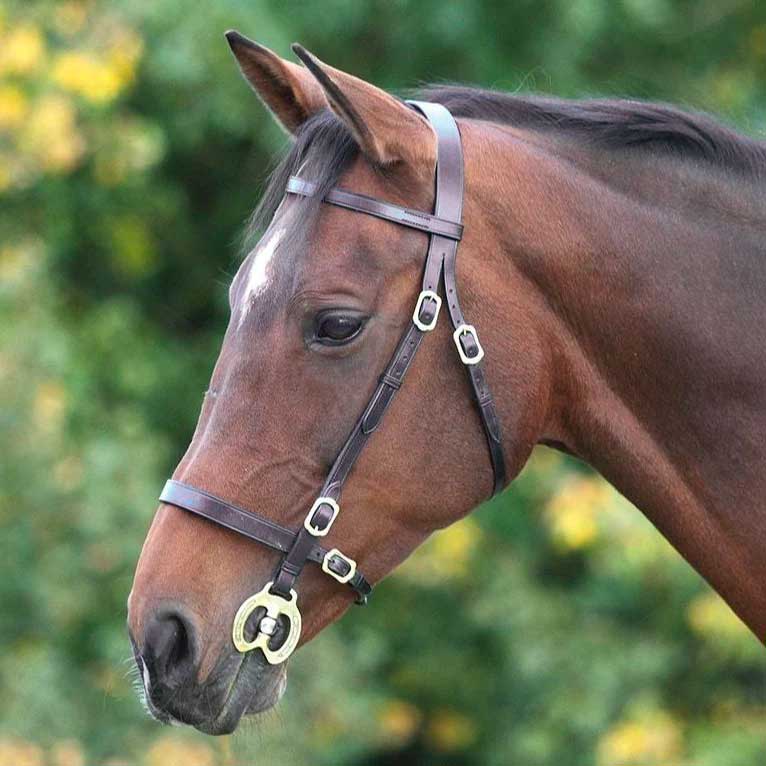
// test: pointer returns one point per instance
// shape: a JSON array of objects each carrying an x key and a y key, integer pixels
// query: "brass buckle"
[
  {"x": 335, "y": 553},
  {"x": 422, "y": 298},
  {"x": 468, "y": 329},
  {"x": 316, "y": 531},
  {"x": 275, "y": 606}
]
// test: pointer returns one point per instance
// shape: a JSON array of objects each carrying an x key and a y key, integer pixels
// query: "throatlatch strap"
[{"x": 449, "y": 204}]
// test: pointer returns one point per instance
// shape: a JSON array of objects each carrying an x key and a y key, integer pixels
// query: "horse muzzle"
[{"x": 168, "y": 660}]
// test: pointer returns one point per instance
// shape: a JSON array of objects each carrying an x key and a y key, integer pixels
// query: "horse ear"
[
  {"x": 287, "y": 89},
  {"x": 386, "y": 129}
]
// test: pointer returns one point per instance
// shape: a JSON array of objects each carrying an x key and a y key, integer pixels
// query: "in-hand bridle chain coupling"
[{"x": 278, "y": 599}]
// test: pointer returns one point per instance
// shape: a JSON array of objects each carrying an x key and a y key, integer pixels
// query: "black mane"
[
  {"x": 324, "y": 148},
  {"x": 612, "y": 124}
]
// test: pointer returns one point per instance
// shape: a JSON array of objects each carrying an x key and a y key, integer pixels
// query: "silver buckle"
[
  {"x": 335, "y": 553},
  {"x": 424, "y": 296},
  {"x": 468, "y": 329},
  {"x": 316, "y": 531}
]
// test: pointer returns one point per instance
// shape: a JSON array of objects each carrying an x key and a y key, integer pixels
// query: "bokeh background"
[{"x": 553, "y": 626}]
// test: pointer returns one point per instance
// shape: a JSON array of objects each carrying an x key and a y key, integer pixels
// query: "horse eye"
[{"x": 333, "y": 329}]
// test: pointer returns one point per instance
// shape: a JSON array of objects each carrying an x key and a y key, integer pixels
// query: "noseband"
[{"x": 278, "y": 597}]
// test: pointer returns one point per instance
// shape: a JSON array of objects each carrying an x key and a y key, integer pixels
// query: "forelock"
[{"x": 322, "y": 151}]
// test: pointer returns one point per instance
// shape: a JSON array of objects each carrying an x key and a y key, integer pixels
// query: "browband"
[{"x": 361, "y": 203}]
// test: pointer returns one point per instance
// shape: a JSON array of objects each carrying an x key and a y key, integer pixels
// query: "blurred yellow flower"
[
  {"x": 18, "y": 259},
  {"x": 13, "y": 106},
  {"x": 456, "y": 544},
  {"x": 173, "y": 751},
  {"x": 125, "y": 50},
  {"x": 82, "y": 73},
  {"x": 64, "y": 153},
  {"x": 446, "y": 555},
  {"x": 17, "y": 752},
  {"x": 652, "y": 739},
  {"x": 67, "y": 752},
  {"x": 571, "y": 513},
  {"x": 398, "y": 721},
  {"x": 50, "y": 134},
  {"x": 448, "y": 731},
  {"x": 711, "y": 618},
  {"x": 12, "y": 262},
  {"x": 49, "y": 405},
  {"x": 22, "y": 50}
]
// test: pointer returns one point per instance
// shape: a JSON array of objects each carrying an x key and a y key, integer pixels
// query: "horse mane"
[
  {"x": 612, "y": 124},
  {"x": 323, "y": 148}
]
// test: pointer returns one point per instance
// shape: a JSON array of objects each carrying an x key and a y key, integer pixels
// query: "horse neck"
[{"x": 646, "y": 276}]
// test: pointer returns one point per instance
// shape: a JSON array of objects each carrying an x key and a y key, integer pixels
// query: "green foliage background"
[{"x": 130, "y": 154}]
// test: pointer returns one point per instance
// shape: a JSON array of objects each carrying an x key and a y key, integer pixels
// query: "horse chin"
[
  {"x": 257, "y": 688},
  {"x": 265, "y": 699},
  {"x": 244, "y": 685}
]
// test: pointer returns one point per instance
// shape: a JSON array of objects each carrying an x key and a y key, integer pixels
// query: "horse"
[{"x": 613, "y": 262}]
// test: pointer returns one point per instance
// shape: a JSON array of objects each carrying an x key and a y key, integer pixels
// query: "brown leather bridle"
[{"x": 278, "y": 597}]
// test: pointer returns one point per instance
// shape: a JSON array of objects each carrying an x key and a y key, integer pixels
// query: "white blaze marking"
[{"x": 259, "y": 275}]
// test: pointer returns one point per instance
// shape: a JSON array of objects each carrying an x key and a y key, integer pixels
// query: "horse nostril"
[{"x": 169, "y": 647}]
